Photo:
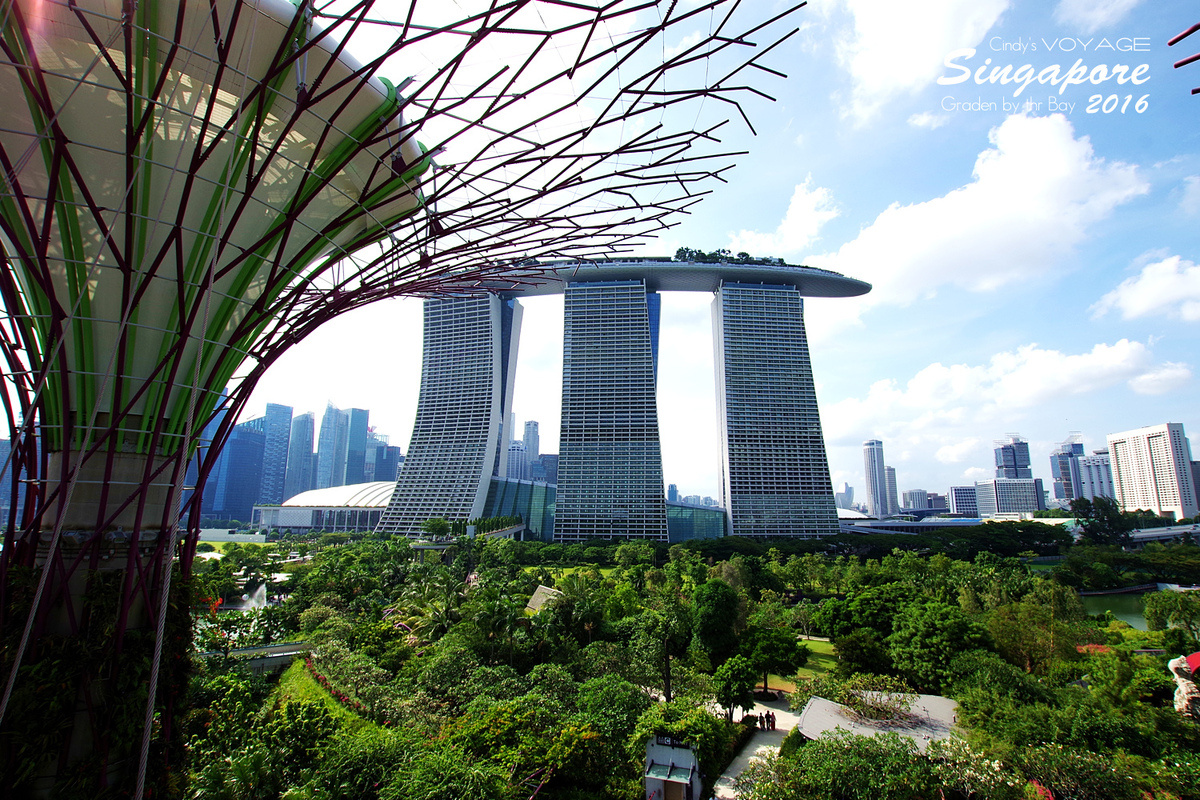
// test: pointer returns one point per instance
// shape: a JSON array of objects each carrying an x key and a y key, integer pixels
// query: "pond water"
[{"x": 1125, "y": 607}]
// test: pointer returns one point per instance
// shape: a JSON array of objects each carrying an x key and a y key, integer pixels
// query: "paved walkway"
[{"x": 763, "y": 742}]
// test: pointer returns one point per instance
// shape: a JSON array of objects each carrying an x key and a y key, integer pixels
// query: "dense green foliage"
[{"x": 430, "y": 678}]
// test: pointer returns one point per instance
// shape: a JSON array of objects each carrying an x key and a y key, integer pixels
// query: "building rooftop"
[
  {"x": 355, "y": 495},
  {"x": 666, "y": 275},
  {"x": 932, "y": 718}
]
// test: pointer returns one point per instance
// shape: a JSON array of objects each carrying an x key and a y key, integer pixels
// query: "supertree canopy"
[{"x": 192, "y": 186}]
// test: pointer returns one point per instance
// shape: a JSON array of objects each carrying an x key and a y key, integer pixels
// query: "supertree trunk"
[{"x": 190, "y": 188}]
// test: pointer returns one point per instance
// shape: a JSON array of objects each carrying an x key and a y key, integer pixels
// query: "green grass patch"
[
  {"x": 562, "y": 572},
  {"x": 777, "y": 683},
  {"x": 821, "y": 659},
  {"x": 298, "y": 685}
]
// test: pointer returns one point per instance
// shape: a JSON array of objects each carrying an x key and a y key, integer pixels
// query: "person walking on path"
[{"x": 776, "y": 722}]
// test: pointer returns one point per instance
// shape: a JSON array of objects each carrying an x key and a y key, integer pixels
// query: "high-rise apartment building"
[
  {"x": 1093, "y": 475},
  {"x": 610, "y": 480},
  {"x": 962, "y": 501},
  {"x": 774, "y": 470},
  {"x": 876, "y": 472},
  {"x": 1012, "y": 458},
  {"x": 300, "y": 455},
  {"x": 893, "y": 503},
  {"x": 468, "y": 365},
  {"x": 1152, "y": 470},
  {"x": 277, "y": 432}
]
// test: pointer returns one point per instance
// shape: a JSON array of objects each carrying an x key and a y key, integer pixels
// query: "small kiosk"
[{"x": 672, "y": 771}]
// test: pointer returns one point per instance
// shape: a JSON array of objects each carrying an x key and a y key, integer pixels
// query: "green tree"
[
  {"x": 733, "y": 685},
  {"x": 1173, "y": 609},
  {"x": 715, "y": 614},
  {"x": 613, "y": 705},
  {"x": 773, "y": 650},
  {"x": 1029, "y": 636},
  {"x": 1101, "y": 520},
  {"x": 436, "y": 528},
  {"x": 861, "y": 651},
  {"x": 660, "y": 636},
  {"x": 844, "y": 766},
  {"x": 928, "y": 636}
]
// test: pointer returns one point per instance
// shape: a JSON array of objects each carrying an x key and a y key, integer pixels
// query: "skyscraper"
[
  {"x": 468, "y": 365},
  {"x": 774, "y": 470},
  {"x": 533, "y": 445},
  {"x": 331, "y": 448},
  {"x": 610, "y": 480},
  {"x": 277, "y": 434},
  {"x": 877, "y": 489},
  {"x": 1064, "y": 470},
  {"x": 1012, "y": 458},
  {"x": 893, "y": 503},
  {"x": 518, "y": 465},
  {"x": 387, "y": 463},
  {"x": 1152, "y": 470},
  {"x": 234, "y": 483},
  {"x": 300, "y": 455},
  {"x": 844, "y": 498},
  {"x": 356, "y": 446}
]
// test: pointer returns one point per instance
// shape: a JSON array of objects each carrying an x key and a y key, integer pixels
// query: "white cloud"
[
  {"x": 1167, "y": 378},
  {"x": 691, "y": 40},
  {"x": 941, "y": 407},
  {"x": 807, "y": 212},
  {"x": 899, "y": 48},
  {"x": 928, "y": 120},
  {"x": 973, "y": 474},
  {"x": 1035, "y": 195},
  {"x": 1170, "y": 288},
  {"x": 1190, "y": 202},
  {"x": 954, "y": 453},
  {"x": 1092, "y": 15}
]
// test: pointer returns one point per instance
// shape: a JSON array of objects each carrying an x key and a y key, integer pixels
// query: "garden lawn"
[
  {"x": 820, "y": 660},
  {"x": 298, "y": 684},
  {"x": 562, "y": 572}
]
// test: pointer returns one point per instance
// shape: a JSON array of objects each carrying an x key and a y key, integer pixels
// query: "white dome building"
[{"x": 344, "y": 509}]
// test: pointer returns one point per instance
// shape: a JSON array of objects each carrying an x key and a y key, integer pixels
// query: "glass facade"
[
  {"x": 774, "y": 471},
  {"x": 535, "y": 503},
  {"x": 610, "y": 480},
  {"x": 685, "y": 522},
  {"x": 532, "y": 502},
  {"x": 466, "y": 392}
]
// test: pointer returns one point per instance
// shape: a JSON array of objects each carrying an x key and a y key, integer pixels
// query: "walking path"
[{"x": 764, "y": 742}]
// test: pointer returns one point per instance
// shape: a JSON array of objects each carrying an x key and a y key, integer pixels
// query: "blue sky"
[{"x": 1033, "y": 253}]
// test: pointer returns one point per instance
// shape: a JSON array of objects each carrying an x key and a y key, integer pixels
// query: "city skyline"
[{"x": 1032, "y": 269}]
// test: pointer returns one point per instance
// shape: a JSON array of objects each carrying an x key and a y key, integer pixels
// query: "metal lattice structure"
[
  {"x": 190, "y": 187},
  {"x": 1183, "y": 62}
]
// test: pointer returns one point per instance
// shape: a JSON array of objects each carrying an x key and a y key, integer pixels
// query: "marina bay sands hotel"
[{"x": 773, "y": 468}]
